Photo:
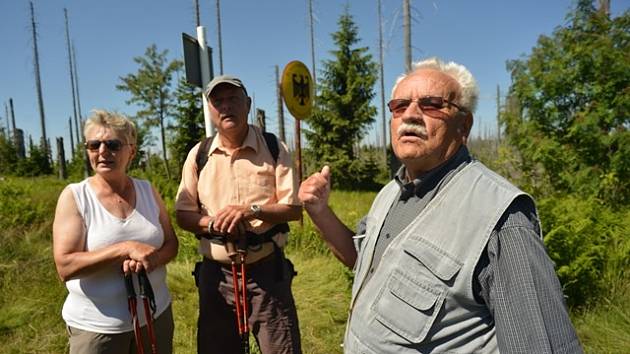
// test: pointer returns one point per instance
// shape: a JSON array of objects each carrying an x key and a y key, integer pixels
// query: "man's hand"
[
  {"x": 315, "y": 190},
  {"x": 230, "y": 221}
]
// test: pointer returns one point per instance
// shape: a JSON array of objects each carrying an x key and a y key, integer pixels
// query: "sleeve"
[
  {"x": 286, "y": 178},
  {"x": 519, "y": 285},
  {"x": 187, "y": 198}
]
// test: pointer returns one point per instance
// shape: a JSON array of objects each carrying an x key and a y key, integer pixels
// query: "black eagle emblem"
[{"x": 300, "y": 88}]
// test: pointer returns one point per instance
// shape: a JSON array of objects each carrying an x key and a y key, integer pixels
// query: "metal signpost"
[
  {"x": 297, "y": 91},
  {"x": 198, "y": 63}
]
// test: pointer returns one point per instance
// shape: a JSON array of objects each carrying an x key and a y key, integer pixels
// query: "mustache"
[{"x": 412, "y": 128}]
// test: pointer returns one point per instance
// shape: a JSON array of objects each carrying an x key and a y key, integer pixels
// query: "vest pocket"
[
  {"x": 408, "y": 305},
  {"x": 441, "y": 263}
]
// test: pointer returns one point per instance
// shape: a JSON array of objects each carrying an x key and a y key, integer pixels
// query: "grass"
[
  {"x": 31, "y": 296},
  {"x": 605, "y": 328}
]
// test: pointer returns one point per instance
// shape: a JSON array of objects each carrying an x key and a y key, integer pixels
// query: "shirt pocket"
[
  {"x": 408, "y": 305},
  {"x": 263, "y": 182}
]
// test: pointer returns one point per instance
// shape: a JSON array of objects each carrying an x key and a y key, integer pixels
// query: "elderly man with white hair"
[{"x": 450, "y": 257}]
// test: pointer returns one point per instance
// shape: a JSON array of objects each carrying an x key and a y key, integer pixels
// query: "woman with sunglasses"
[{"x": 105, "y": 225}]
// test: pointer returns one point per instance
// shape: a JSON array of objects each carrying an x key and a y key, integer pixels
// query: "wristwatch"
[{"x": 256, "y": 209}]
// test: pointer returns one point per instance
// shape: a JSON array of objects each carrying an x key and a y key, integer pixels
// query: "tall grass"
[
  {"x": 31, "y": 295},
  {"x": 350, "y": 207}
]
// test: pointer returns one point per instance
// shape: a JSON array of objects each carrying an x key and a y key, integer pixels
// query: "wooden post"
[
  {"x": 312, "y": 31},
  {"x": 260, "y": 119},
  {"x": 71, "y": 137},
  {"x": 498, "y": 115},
  {"x": 18, "y": 139},
  {"x": 280, "y": 107},
  {"x": 61, "y": 158},
  {"x": 382, "y": 82},
  {"x": 298, "y": 158},
  {"x": 407, "y": 34}
]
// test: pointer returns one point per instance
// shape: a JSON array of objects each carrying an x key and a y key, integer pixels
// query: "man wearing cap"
[{"x": 243, "y": 191}]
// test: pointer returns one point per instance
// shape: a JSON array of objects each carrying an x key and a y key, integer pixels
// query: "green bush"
[
  {"x": 24, "y": 201},
  {"x": 588, "y": 242}
]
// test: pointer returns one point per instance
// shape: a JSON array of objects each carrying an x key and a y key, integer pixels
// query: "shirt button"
[
  {"x": 371, "y": 270},
  {"x": 387, "y": 235}
]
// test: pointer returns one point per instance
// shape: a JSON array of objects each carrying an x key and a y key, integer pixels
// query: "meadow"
[{"x": 31, "y": 294}]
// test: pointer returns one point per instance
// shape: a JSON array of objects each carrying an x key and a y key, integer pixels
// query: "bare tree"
[
  {"x": 38, "y": 84},
  {"x": 220, "y": 43}
]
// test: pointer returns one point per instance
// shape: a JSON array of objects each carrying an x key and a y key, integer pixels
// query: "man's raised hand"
[{"x": 315, "y": 190}]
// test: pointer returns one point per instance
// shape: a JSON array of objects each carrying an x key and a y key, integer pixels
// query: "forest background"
[{"x": 564, "y": 139}]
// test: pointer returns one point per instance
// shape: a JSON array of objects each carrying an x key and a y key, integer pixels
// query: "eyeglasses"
[
  {"x": 398, "y": 106},
  {"x": 111, "y": 145}
]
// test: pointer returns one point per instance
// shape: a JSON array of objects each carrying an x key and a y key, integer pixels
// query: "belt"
[
  {"x": 228, "y": 266},
  {"x": 253, "y": 239}
]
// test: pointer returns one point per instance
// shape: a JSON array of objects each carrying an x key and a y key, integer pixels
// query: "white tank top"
[{"x": 98, "y": 302}]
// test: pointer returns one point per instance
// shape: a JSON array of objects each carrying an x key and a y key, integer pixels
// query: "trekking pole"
[
  {"x": 148, "y": 299},
  {"x": 242, "y": 252},
  {"x": 132, "y": 302},
  {"x": 232, "y": 253}
]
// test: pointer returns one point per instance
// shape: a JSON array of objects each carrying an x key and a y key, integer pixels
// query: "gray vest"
[{"x": 420, "y": 298}]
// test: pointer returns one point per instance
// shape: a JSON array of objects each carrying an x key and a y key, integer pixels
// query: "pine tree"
[
  {"x": 343, "y": 112},
  {"x": 8, "y": 156},
  {"x": 35, "y": 164},
  {"x": 188, "y": 129},
  {"x": 150, "y": 87}
]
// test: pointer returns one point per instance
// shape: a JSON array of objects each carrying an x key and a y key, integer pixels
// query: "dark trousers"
[{"x": 272, "y": 315}]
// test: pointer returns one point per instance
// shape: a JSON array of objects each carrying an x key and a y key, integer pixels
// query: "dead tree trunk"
[{"x": 38, "y": 85}]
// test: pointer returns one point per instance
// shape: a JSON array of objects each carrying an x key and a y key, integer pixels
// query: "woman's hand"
[{"x": 140, "y": 256}]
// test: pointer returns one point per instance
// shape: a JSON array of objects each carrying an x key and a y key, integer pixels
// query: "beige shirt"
[{"x": 244, "y": 176}]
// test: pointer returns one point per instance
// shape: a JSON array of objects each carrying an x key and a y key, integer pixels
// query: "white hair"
[{"x": 469, "y": 90}]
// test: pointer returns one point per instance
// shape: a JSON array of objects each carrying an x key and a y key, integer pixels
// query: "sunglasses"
[
  {"x": 398, "y": 106},
  {"x": 111, "y": 145}
]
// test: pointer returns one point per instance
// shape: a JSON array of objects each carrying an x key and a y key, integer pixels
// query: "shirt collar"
[
  {"x": 432, "y": 177},
  {"x": 250, "y": 141}
]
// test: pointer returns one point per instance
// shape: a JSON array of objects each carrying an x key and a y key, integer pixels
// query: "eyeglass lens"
[
  {"x": 428, "y": 103},
  {"x": 111, "y": 145}
]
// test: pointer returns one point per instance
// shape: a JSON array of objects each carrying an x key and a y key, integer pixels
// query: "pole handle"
[
  {"x": 146, "y": 290},
  {"x": 131, "y": 292},
  {"x": 230, "y": 248}
]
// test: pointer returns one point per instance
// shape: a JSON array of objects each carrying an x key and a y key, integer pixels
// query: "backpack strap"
[
  {"x": 202, "y": 154},
  {"x": 272, "y": 145}
]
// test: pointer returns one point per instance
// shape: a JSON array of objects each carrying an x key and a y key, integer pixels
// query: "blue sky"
[{"x": 257, "y": 36}]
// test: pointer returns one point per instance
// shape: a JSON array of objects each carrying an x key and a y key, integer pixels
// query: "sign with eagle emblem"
[{"x": 297, "y": 89}]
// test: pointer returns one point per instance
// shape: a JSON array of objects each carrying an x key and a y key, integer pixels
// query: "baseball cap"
[{"x": 224, "y": 79}]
